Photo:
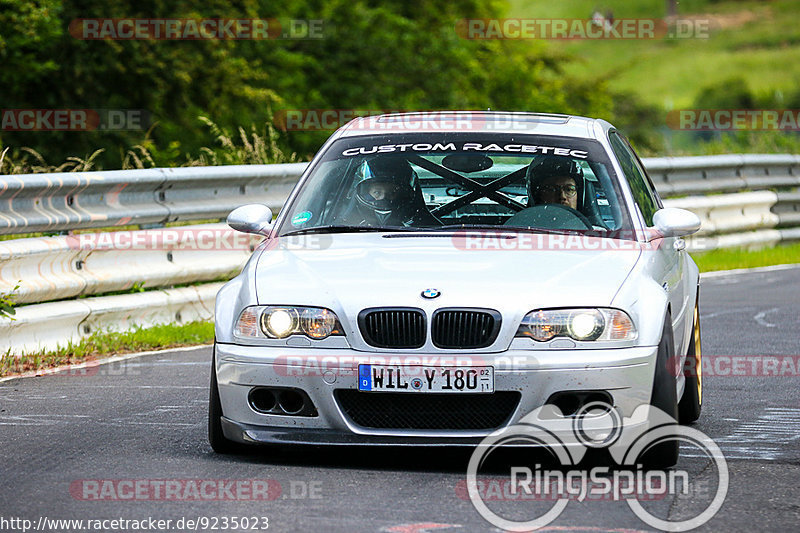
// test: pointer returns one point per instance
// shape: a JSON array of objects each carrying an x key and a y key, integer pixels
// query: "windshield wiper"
[
  {"x": 514, "y": 229},
  {"x": 335, "y": 228}
]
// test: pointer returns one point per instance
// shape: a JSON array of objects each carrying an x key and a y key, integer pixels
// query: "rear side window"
[{"x": 640, "y": 185}]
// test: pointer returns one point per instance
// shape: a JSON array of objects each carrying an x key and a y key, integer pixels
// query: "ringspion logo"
[{"x": 627, "y": 440}]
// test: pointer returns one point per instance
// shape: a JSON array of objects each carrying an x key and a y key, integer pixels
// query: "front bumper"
[{"x": 625, "y": 373}]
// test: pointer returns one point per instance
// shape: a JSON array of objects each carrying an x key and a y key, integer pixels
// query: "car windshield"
[{"x": 449, "y": 181}]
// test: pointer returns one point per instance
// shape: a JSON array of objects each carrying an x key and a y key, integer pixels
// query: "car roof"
[{"x": 479, "y": 121}]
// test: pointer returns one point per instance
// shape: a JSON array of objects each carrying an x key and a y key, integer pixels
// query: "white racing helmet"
[{"x": 385, "y": 185}]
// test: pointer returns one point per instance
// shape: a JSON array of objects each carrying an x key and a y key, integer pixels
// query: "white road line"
[
  {"x": 131, "y": 423},
  {"x": 37, "y": 420},
  {"x": 760, "y": 318},
  {"x": 773, "y": 268},
  {"x": 144, "y": 386},
  {"x": 769, "y": 437},
  {"x": 172, "y": 363},
  {"x": 704, "y": 316}
]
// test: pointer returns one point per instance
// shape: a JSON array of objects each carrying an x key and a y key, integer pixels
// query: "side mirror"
[
  {"x": 674, "y": 222},
  {"x": 251, "y": 218}
]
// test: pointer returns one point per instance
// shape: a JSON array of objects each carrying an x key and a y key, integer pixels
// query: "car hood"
[{"x": 351, "y": 272}]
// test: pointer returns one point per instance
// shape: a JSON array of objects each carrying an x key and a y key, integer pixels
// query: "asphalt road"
[{"x": 74, "y": 445}]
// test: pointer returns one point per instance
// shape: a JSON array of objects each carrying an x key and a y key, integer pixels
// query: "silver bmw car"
[{"x": 434, "y": 277}]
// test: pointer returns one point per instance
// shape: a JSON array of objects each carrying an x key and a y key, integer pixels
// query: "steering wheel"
[{"x": 551, "y": 216}]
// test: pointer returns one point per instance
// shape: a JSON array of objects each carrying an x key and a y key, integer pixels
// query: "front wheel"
[
  {"x": 692, "y": 400},
  {"x": 216, "y": 437},
  {"x": 665, "y": 398}
]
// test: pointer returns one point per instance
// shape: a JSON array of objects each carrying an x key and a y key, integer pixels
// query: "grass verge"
[
  {"x": 106, "y": 343},
  {"x": 733, "y": 258}
]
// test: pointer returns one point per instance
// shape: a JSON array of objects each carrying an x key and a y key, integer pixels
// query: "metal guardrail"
[
  {"x": 732, "y": 220},
  {"x": 787, "y": 208},
  {"x": 55, "y": 268},
  {"x": 722, "y": 173},
  {"x": 730, "y": 213},
  {"x": 62, "y": 267},
  {"x": 65, "y": 201},
  {"x": 49, "y": 325},
  {"x": 71, "y": 200}
]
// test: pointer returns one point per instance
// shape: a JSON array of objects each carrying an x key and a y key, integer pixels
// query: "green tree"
[{"x": 403, "y": 55}]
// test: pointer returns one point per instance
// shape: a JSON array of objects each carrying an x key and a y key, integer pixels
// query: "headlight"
[
  {"x": 279, "y": 322},
  {"x": 318, "y": 323},
  {"x": 580, "y": 324},
  {"x": 585, "y": 325}
]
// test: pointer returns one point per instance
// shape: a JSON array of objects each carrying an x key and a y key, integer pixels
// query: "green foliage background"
[
  {"x": 374, "y": 55},
  {"x": 393, "y": 54}
]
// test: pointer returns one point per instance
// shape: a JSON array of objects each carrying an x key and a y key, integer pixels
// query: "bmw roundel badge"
[{"x": 430, "y": 293}]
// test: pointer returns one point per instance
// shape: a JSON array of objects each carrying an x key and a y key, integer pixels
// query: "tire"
[
  {"x": 216, "y": 437},
  {"x": 665, "y": 398},
  {"x": 692, "y": 401}
]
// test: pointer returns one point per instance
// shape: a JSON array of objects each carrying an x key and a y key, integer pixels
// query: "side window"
[
  {"x": 640, "y": 184},
  {"x": 640, "y": 166}
]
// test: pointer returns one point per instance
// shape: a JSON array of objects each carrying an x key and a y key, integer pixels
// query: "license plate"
[{"x": 387, "y": 378}]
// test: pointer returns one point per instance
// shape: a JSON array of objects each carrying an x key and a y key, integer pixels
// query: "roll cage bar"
[{"x": 490, "y": 190}]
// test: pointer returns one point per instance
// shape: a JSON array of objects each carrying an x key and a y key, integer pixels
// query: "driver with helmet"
[
  {"x": 559, "y": 180},
  {"x": 387, "y": 193}
]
